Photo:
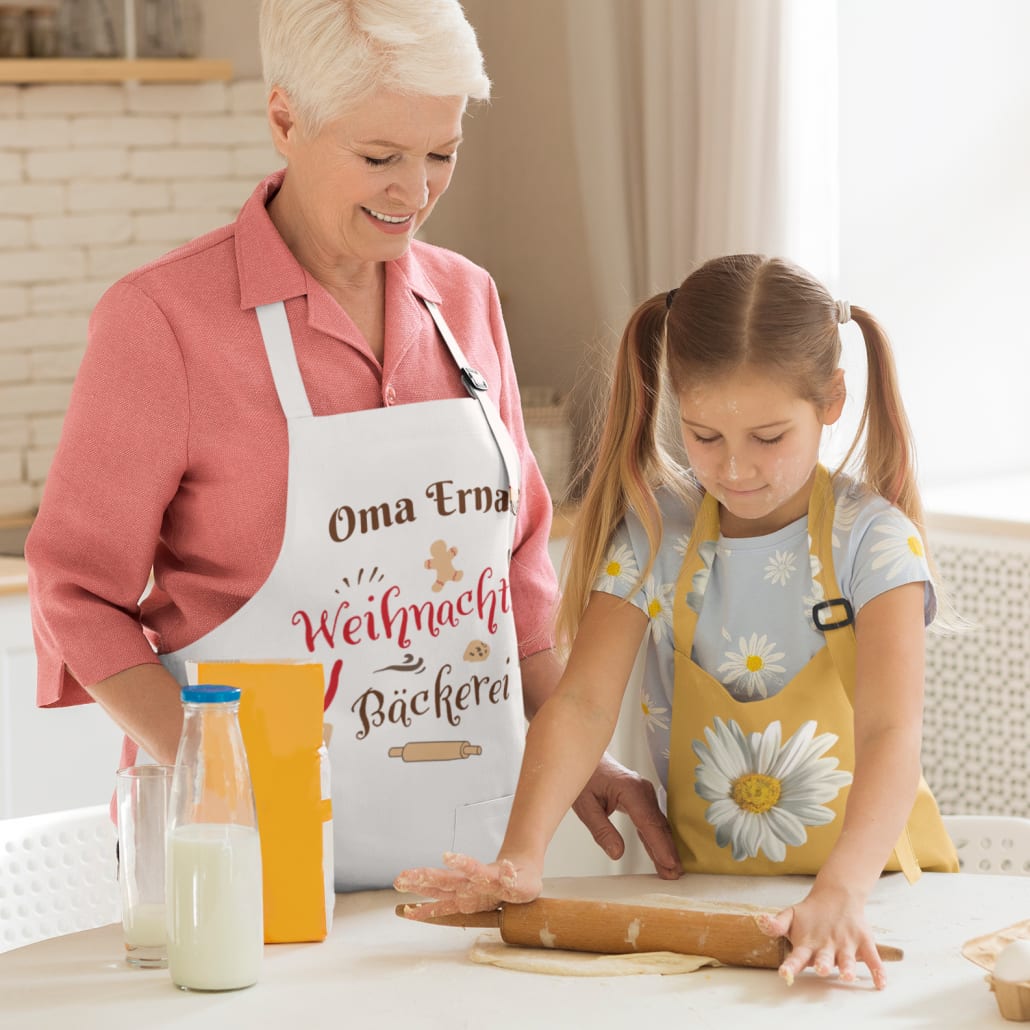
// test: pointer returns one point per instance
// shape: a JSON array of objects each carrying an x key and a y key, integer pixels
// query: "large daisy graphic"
[
  {"x": 752, "y": 668},
  {"x": 762, "y": 795},
  {"x": 619, "y": 566},
  {"x": 903, "y": 545}
]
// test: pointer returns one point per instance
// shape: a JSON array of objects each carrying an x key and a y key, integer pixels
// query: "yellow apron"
[{"x": 760, "y": 787}]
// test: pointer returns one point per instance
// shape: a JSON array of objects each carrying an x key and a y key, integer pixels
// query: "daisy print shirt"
[{"x": 755, "y": 595}]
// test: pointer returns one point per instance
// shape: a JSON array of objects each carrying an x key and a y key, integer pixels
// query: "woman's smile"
[{"x": 393, "y": 224}]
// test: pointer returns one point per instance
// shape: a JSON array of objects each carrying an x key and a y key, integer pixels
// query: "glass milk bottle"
[{"x": 214, "y": 895}]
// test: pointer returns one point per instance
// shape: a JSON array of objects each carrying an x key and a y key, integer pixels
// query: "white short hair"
[{"x": 330, "y": 55}]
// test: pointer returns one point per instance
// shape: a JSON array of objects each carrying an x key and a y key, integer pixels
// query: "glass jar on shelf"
[
  {"x": 14, "y": 36},
  {"x": 88, "y": 28},
  {"x": 169, "y": 28},
  {"x": 43, "y": 30}
]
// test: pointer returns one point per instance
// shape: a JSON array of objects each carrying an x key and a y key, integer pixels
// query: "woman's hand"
[
  {"x": 827, "y": 931},
  {"x": 614, "y": 788},
  {"x": 468, "y": 886}
]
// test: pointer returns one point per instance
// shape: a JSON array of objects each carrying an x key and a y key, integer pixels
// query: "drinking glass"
[{"x": 143, "y": 792}]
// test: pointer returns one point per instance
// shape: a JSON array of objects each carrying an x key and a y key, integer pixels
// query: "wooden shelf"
[{"x": 109, "y": 69}]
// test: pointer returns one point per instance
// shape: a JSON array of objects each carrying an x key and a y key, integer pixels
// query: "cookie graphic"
[
  {"x": 477, "y": 651},
  {"x": 442, "y": 563}
]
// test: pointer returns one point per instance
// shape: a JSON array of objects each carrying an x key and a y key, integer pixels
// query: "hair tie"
[
  {"x": 669, "y": 296},
  {"x": 843, "y": 311}
]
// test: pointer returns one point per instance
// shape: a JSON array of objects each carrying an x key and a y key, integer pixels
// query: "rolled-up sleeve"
[{"x": 120, "y": 460}]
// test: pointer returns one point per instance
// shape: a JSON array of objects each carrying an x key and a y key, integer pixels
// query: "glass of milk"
[{"x": 143, "y": 792}]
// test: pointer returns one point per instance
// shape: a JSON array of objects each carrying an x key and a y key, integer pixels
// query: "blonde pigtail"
[
  {"x": 629, "y": 462},
  {"x": 887, "y": 455}
]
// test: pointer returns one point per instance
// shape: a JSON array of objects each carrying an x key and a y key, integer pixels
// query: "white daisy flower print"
[
  {"x": 780, "y": 567},
  {"x": 681, "y": 544},
  {"x": 817, "y": 594},
  {"x": 903, "y": 547},
  {"x": 753, "y": 667},
  {"x": 652, "y": 713},
  {"x": 619, "y": 567},
  {"x": 699, "y": 582},
  {"x": 815, "y": 563},
  {"x": 847, "y": 505},
  {"x": 658, "y": 605},
  {"x": 762, "y": 795}
]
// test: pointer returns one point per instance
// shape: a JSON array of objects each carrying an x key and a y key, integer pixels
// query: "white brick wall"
[{"x": 94, "y": 181}]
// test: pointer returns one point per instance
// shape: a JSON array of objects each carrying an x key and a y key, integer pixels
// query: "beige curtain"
[{"x": 702, "y": 127}]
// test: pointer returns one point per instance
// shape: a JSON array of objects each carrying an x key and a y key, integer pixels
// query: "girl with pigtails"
[{"x": 784, "y": 607}]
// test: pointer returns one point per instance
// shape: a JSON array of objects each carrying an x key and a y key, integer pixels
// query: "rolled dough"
[{"x": 490, "y": 950}]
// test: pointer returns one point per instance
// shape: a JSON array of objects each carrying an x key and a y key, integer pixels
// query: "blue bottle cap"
[{"x": 210, "y": 693}]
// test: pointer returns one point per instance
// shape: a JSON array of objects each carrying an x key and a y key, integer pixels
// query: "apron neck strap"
[
  {"x": 282, "y": 359},
  {"x": 275, "y": 331},
  {"x": 477, "y": 386}
]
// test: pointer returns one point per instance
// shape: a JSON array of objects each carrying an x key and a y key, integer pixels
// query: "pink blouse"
[{"x": 174, "y": 450}]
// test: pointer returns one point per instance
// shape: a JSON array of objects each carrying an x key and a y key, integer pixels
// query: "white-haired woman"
[{"x": 307, "y": 424}]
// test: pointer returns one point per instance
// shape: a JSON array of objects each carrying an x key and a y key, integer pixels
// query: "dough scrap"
[{"x": 489, "y": 949}]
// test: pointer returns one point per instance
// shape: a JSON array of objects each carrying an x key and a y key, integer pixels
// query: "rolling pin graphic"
[
  {"x": 607, "y": 928},
  {"x": 435, "y": 750}
]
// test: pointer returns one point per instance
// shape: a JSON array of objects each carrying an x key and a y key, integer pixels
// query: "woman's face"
[
  {"x": 365, "y": 182},
  {"x": 754, "y": 444}
]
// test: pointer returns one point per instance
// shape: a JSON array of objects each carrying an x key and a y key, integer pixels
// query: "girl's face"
[{"x": 754, "y": 444}]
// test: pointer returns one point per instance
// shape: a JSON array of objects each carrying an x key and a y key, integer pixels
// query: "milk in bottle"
[{"x": 214, "y": 892}]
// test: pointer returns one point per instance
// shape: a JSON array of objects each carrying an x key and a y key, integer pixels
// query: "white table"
[{"x": 378, "y": 971}]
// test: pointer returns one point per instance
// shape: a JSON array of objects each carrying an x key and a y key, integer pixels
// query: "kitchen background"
[
  {"x": 907, "y": 147},
  {"x": 882, "y": 144}
]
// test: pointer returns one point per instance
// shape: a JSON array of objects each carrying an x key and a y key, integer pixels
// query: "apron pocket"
[{"x": 479, "y": 828}]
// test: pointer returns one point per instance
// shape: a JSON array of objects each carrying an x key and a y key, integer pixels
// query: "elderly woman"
[{"x": 307, "y": 425}]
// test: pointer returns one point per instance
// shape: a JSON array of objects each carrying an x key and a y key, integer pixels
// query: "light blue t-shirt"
[{"x": 755, "y": 595}]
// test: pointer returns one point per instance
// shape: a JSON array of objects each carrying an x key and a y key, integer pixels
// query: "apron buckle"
[
  {"x": 827, "y": 606},
  {"x": 473, "y": 380}
]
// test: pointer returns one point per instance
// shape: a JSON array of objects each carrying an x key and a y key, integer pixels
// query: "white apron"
[{"x": 393, "y": 573}]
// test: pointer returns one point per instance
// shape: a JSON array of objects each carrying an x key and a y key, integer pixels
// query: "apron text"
[
  {"x": 446, "y": 500},
  {"x": 397, "y": 622},
  {"x": 444, "y": 701}
]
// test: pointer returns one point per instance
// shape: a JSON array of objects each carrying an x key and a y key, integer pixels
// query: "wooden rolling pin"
[{"x": 608, "y": 928}]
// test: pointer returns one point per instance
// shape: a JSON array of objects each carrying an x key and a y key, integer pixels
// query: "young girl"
[{"x": 785, "y": 608}]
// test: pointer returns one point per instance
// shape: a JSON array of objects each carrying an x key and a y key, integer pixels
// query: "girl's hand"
[
  {"x": 827, "y": 931},
  {"x": 468, "y": 886}
]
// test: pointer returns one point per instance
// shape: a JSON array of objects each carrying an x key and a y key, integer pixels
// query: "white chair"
[
  {"x": 58, "y": 874},
  {"x": 991, "y": 843}
]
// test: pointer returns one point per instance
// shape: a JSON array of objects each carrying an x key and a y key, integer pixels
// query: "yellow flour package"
[{"x": 281, "y": 718}]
